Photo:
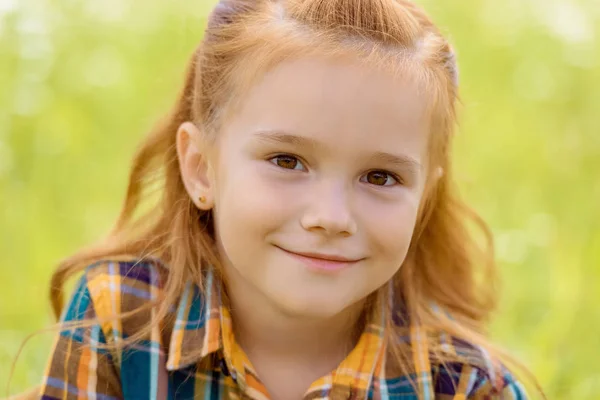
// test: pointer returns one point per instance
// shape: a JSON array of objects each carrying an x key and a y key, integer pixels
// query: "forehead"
[{"x": 339, "y": 99}]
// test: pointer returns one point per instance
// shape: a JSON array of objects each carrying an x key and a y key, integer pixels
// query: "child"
[{"x": 308, "y": 242}]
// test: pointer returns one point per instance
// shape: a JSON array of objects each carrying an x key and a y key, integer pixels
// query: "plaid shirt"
[{"x": 192, "y": 353}]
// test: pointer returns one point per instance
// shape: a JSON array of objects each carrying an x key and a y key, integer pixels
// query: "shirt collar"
[
  {"x": 197, "y": 329},
  {"x": 203, "y": 326}
]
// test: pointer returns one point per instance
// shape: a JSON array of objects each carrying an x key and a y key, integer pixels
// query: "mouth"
[{"x": 322, "y": 261}]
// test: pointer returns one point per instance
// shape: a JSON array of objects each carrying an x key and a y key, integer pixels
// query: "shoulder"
[
  {"x": 91, "y": 354},
  {"x": 137, "y": 277},
  {"x": 114, "y": 286},
  {"x": 476, "y": 376}
]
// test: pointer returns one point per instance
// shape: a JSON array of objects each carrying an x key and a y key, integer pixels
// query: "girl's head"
[
  {"x": 315, "y": 128},
  {"x": 309, "y": 127}
]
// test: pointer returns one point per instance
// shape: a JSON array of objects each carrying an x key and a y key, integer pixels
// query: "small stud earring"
[{"x": 202, "y": 199}]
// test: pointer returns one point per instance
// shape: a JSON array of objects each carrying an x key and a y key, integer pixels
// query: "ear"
[{"x": 194, "y": 165}]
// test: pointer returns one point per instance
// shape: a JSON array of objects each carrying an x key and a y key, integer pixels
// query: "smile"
[{"x": 322, "y": 262}]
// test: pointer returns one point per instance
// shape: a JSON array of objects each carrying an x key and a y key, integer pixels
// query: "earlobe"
[{"x": 194, "y": 165}]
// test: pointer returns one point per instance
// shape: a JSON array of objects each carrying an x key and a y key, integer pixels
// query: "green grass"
[{"x": 81, "y": 83}]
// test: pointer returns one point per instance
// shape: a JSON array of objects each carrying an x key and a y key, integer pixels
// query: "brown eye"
[
  {"x": 380, "y": 178},
  {"x": 287, "y": 162}
]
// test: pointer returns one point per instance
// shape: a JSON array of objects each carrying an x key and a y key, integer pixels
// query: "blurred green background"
[{"x": 81, "y": 81}]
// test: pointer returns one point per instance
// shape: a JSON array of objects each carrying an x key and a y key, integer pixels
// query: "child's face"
[{"x": 324, "y": 160}]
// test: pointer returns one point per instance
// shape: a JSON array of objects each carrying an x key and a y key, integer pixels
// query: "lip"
[{"x": 321, "y": 261}]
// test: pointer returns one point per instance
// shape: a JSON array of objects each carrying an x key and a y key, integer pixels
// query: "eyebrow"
[
  {"x": 398, "y": 161},
  {"x": 280, "y": 137}
]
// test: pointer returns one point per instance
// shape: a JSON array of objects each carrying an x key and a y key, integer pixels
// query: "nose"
[{"x": 329, "y": 211}]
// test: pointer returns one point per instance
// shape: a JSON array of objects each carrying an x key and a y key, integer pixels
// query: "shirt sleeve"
[{"x": 78, "y": 367}]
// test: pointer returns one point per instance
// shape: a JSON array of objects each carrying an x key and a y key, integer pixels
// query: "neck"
[{"x": 264, "y": 330}]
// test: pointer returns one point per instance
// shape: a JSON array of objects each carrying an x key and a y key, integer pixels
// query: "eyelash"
[
  {"x": 289, "y": 156},
  {"x": 394, "y": 177}
]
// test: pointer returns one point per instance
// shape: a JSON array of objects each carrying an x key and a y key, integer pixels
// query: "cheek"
[
  {"x": 248, "y": 204},
  {"x": 391, "y": 227}
]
